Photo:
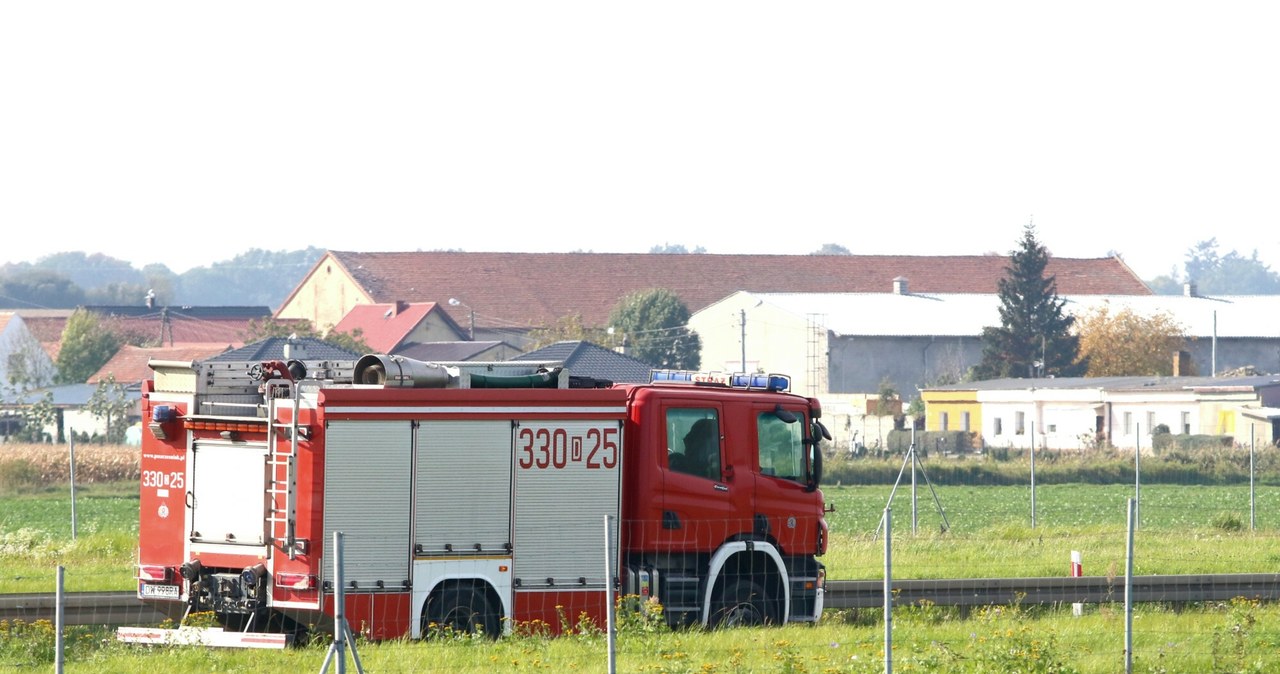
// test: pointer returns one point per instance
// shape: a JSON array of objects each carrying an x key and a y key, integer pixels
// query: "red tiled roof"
[
  {"x": 384, "y": 326},
  {"x": 129, "y": 365},
  {"x": 533, "y": 289}
]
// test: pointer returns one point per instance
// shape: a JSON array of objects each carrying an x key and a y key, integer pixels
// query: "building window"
[
  {"x": 1186, "y": 423},
  {"x": 997, "y": 426},
  {"x": 1151, "y": 421},
  {"x": 964, "y": 421},
  {"x": 1019, "y": 423},
  {"x": 1128, "y": 423},
  {"x": 1051, "y": 428},
  {"x": 942, "y": 421}
]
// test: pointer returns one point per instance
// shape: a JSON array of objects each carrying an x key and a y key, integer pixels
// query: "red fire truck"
[{"x": 471, "y": 496}]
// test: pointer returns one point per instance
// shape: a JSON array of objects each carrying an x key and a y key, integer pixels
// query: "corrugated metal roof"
[{"x": 945, "y": 314}]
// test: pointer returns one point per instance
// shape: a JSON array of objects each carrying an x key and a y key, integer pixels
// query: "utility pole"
[{"x": 742, "y": 322}]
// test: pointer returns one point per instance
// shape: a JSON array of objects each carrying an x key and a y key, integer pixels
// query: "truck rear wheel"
[
  {"x": 742, "y": 603},
  {"x": 461, "y": 609}
]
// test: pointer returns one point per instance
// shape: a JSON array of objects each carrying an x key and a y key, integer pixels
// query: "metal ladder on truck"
[{"x": 282, "y": 468}]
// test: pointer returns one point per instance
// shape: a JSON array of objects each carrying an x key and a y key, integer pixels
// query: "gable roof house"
[
  {"x": 386, "y": 328},
  {"x": 509, "y": 294}
]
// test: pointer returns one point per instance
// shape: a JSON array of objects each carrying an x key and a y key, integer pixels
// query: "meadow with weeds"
[
  {"x": 1184, "y": 528},
  {"x": 1235, "y": 636}
]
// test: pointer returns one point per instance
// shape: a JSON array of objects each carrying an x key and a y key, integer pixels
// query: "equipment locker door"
[
  {"x": 227, "y": 497},
  {"x": 367, "y": 475}
]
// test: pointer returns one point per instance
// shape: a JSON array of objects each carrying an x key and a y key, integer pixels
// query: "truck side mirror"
[{"x": 813, "y": 475}]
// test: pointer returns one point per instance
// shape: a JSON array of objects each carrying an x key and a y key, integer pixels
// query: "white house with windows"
[{"x": 1081, "y": 413}]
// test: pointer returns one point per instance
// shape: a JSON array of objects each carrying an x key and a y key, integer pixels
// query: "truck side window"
[
  {"x": 780, "y": 445},
  {"x": 693, "y": 442}
]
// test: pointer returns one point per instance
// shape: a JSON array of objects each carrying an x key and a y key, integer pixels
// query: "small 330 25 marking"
[
  {"x": 557, "y": 448},
  {"x": 161, "y": 479}
]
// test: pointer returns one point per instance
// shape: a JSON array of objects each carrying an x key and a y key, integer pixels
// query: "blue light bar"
[
  {"x": 752, "y": 381},
  {"x": 766, "y": 382}
]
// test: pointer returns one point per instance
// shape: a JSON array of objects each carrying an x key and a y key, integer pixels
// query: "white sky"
[{"x": 185, "y": 133}]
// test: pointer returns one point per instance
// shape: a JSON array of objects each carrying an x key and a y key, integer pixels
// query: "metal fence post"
[
  {"x": 611, "y": 624},
  {"x": 1252, "y": 503},
  {"x": 59, "y": 621},
  {"x": 342, "y": 637},
  {"x": 1128, "y": 589}
]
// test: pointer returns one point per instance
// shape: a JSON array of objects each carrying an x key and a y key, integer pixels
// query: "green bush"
[
  {"x": 1216, "y": 465},
  {"x": 19, "y": 475},
  {"x": 931, "y": 442}
]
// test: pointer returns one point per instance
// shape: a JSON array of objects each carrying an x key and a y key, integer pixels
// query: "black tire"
[
  {"x": 460, "y": 609},
  {"x": 742, "y": 603}
]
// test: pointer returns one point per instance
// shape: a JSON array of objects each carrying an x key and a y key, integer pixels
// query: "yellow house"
[{"x": 951, "y": 410}]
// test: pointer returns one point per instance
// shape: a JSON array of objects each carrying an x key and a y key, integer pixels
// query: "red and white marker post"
[{"x": 1077, "y": 570}]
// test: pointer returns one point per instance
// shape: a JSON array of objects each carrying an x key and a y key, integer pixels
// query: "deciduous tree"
[
  {"x": 87, "y": 344},
  {"x": 1121, "y": 343},
  {"x": 570, "y": 328},
  {"x": 654, "y": 324}
]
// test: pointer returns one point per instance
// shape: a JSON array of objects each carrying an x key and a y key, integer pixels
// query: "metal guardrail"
[
  {"x": 1054, "y": 590},
  {"x": 124, "y": 608},
  {"x": 81, "y": 608}
]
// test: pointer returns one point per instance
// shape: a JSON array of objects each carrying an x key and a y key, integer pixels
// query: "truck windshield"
[{"x": 781, "y": 446}]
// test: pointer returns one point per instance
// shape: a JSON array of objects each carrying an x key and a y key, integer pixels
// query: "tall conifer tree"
[{"x": 1034, "y": 338}]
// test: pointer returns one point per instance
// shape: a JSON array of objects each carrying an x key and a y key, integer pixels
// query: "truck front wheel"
[{"x": 742, "y": 603}]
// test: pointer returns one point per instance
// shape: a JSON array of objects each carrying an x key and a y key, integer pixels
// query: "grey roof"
[
  {"x": 445, "y": 352},
  {"x": 964, "y": 315},
  {"x": 187, "y": 310},
  {"x": 69, "y": 395},
  {"x": 591, "y": 360},
  {"x": 272, "y": 348},
  {"x": 1137, "y": 383}
]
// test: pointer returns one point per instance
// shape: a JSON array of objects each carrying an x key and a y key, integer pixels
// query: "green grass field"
[{"x": 1184, "y": 529}]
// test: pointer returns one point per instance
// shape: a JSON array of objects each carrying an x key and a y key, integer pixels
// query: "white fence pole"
[
  {"x": 1137, "y": 472},
  {"x": 71, "y": 433},
  {"x": 1033, "y": 475},
  {"x": 888, "y": 591},
  {"x": 1252, "y": 520}
]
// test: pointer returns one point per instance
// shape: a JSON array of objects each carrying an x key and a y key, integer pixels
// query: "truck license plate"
[{"x": 165, "y": 591}]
